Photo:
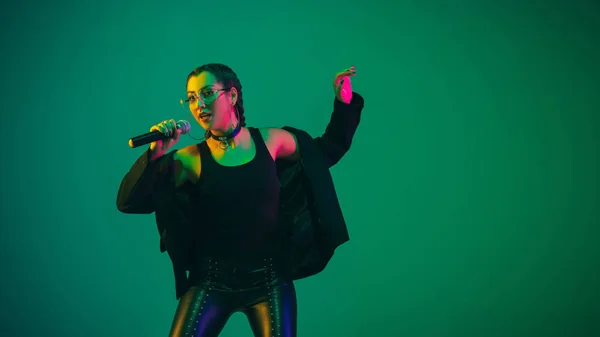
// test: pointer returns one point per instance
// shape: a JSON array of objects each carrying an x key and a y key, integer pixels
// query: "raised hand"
[
  {"x": 169, "y": 129},
  {"x": 342, "y": 85}
]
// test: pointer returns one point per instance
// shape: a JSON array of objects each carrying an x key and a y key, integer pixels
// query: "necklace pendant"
[{"x": 223, "y": 145}]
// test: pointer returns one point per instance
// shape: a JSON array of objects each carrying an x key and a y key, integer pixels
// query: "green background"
[{"x": 471, "y": 191}]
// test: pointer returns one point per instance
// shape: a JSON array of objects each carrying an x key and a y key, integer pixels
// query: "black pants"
[{"x": 265, "y": 295}]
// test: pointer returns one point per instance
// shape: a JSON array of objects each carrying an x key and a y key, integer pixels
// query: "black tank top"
[{"x": 238, "y": 205}]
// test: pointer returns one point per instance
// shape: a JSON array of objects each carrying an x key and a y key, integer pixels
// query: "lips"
[{"x": 205, "y": 116}]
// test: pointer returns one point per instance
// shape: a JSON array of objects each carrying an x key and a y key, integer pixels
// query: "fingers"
[
  {"x": 163, "y": 127},
  {"x": 342, "y": 75},
  {"x": 171, "y": 127},
  {"x": 348, "y": 72},
  {"x": 166, "y": 127},
  {"x": 175, "y": 132},
  {"x": 351, "y": 71}
]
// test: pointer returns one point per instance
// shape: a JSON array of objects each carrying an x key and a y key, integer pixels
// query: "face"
[{"x": 211, "y": 106}]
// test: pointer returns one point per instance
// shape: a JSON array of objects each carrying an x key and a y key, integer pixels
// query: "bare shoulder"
[
  {"x": 189, "y": 160},
  {"x": 272, "y": 133},
  {"x": 269, "y": 133},
  {"x": 281, "y": 143},
  {"x": 191, "y": 150}
]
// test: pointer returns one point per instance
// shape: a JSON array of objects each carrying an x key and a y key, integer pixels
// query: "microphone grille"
[{"x": 184, "y": 126}]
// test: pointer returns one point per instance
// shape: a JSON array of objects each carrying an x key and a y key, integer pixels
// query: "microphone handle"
[{"x": 147, "y": 138}]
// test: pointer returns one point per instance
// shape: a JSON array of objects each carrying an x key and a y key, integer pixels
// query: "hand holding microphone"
[{"x": 162, "y": 136}]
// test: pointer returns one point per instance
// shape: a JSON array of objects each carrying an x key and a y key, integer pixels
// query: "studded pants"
[{"x": 267, "y": 300}]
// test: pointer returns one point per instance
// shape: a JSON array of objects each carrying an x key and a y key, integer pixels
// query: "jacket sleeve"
[
  {"x": 142, "y": 180},
  {"x": 337, "y": 139}
]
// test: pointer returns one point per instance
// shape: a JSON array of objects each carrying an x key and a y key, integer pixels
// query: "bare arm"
[
  {"x": 337, "y": 139},
  {"x": 286, "y": 144}
]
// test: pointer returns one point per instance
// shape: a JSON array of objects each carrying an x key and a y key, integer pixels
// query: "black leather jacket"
[{"x": 309, "y": 207}]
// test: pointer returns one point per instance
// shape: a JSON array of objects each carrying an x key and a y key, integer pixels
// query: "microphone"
[{"x": 147, "y": 138}]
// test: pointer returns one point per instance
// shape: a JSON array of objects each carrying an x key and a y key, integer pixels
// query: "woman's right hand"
[{"x": 160, "y": 147}]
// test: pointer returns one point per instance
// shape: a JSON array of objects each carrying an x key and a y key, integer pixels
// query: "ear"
[{"x": 233, "y": 94}]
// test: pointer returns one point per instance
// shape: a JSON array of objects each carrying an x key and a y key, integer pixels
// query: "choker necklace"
[{"x": 224, "y": 140}]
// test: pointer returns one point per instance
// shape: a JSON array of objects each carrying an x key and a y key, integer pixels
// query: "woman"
[{"x": 247, "y": 211}]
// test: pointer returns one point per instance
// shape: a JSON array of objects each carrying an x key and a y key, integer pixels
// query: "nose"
[
  {"x": 200, "y": 101},
  {"x": 197, "y": 106}
]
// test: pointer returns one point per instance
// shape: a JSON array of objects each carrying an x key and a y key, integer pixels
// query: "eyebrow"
[{"x": 204, "y": 87}]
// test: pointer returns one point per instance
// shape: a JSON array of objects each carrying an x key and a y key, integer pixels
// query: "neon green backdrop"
[{"x": 471, "y": 190}]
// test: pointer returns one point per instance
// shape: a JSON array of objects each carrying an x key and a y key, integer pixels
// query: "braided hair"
[{"x": 229, "y": 79}]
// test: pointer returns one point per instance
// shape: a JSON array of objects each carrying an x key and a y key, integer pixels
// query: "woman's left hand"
[{"x": 342, "y": 85}]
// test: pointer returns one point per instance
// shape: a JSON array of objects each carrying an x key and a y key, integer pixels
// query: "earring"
[{"x": 235, "y": 121}]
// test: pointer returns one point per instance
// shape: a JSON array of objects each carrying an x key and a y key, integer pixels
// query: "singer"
[{"x": 246, "y": 212}]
